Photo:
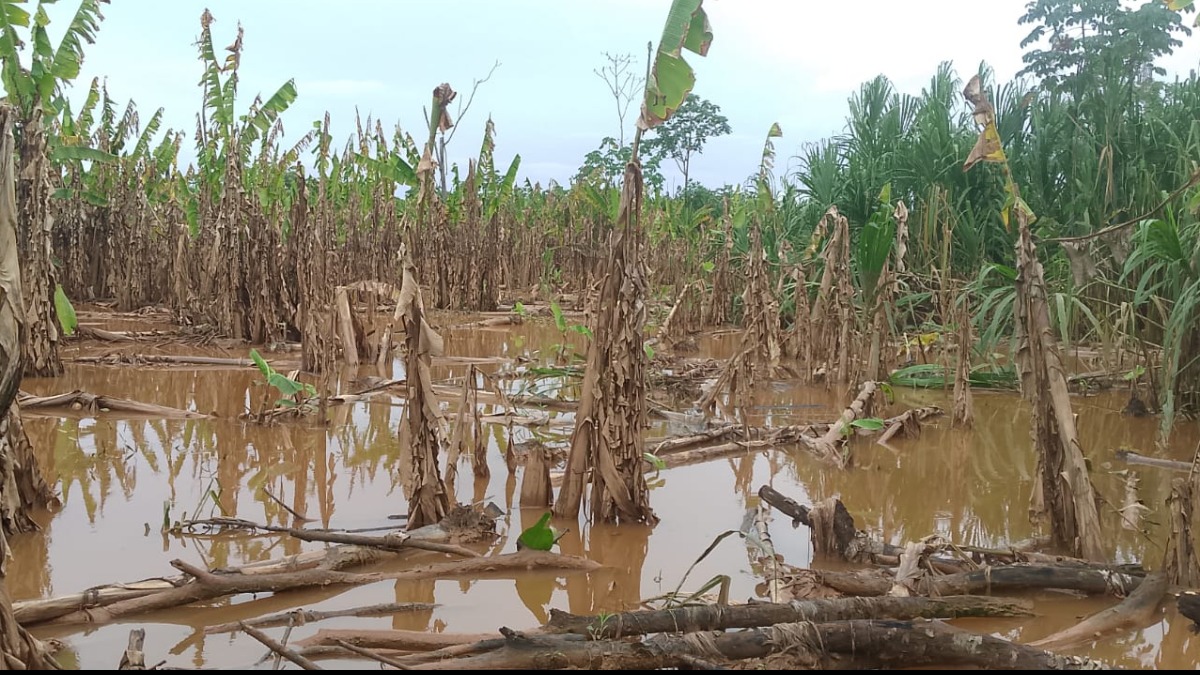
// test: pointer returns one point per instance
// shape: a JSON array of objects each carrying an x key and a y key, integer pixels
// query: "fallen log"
[
  {"x": 207, "y": 585},
  {"x": 830, "y": 445},
  {"x": 374, "y": 656},
  {"x": 301, "y": 617},
  {"x": 842, "y": 644},
  {"x": 463, "y": 524},
  {"x": 95, "y": 404},
  {"x": 409, "y": 640},
  {"x": 724, "y": 617},
  {"x": 1006, "y": 578},
  {"x": 393, "y": 541},
  {"x": 491, "y": 322},
  {"x": 1136, "y": 611},
  {"x": 164, "y": 359},
  {"x": 835, "y": 534}
]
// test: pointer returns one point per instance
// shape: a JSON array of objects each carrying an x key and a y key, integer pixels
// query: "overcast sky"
[{"x": 783, "y": 61}]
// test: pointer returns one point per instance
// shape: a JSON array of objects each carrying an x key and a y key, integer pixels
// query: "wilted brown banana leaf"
[{"x": 607, "y": 439}]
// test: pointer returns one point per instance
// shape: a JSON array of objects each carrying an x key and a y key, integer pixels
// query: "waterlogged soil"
[{"x": 120, "y": 479}]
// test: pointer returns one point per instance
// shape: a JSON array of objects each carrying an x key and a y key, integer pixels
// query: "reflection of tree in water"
[
  {"x": 367, "y": 446},
  {"x": 61, "y": 446},
  {"x": 620, "y": 549},
  {"x": 414, "y": 591},
  {"x": 974, "y": 485}
]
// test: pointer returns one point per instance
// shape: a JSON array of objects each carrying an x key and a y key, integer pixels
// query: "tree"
[
  {"x": 1091, "y": 45},
  {"x": 686, "y": 132},
  {"x": 606, "y": 164},
  {"x": 624, "y": 85}
]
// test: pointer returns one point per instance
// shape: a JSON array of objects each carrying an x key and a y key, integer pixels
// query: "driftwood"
[
  {"x": 1135, "y": 458},
  {"x": 165, "y": 359},
  {"x": 1136, "y": 611},
  {"x": 94, "y": 404},
  {"x": 134, "y": 657},
  {"x": 835, "y": 534},
  {"x": 206, "y": 585},
  {"x": 301, "y": 617},
  {"x": 724, "y": 617},
  {"x": 1002, "y": 579},
  {"x": 393, "y": 541},
  {"x": 464, "y": 524},
  {"x": 410, "y": 640},
  {"x": 842, "y": 644},
  {"x": 374, "y": 656},
  {"x": 774, "y": 437},
  {"x": 829, "y": 445},
  {"x": 289, "y": 654}
]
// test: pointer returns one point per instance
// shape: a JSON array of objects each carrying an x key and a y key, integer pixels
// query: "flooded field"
[{"x": 121, "y": 479}]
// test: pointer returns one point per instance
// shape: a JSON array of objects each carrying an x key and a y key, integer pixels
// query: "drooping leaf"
[
  {"x": 66, "y": 313},
  {"x": 560, "y": 320},
  {"x": 286, "y": 385},
  {"x": 657, "y": 462},
  {"x": 263, "y": 366},
  {"x": 671, "y": 78},
  {"x": 538, "y": 537},
  {"x": 79, "y": 153}
]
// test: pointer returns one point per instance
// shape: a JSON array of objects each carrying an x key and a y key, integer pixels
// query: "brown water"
[{"x": 118, "y": 476}]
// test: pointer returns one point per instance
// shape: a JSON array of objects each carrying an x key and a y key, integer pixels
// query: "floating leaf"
[
  {"x": 868, "y": 424},
  {"x": 66, "y": 313},
  {"x": 539, "y": 537}
]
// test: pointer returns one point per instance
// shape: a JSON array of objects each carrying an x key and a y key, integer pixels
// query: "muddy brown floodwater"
[{"x": 119, "y": 477}]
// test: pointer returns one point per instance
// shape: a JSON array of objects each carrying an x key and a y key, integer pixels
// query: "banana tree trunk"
[
  {"x": 21, "y": 485},
  {"x": 40, "y": 346}
]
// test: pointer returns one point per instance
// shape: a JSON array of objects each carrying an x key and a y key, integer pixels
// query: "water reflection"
[{"x": 119, "y": 477}]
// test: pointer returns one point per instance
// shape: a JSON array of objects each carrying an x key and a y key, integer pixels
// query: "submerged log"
[
  {"x": 307, "y": 616},
  {"x": 94, "y": 404},
  {"x": 829, "y": 445},
  {"x": 207, "y": 585},
  {"x": 409, "y": 640},
  {"x": 165, "y": 359},
  {"x": 1135, "y": 458},
  {"x": 1136, "y": 611},
  {"x": 725, "y": 617},
  {"x": 842, "y": 644},
  {"x": 463, "y": 524}
]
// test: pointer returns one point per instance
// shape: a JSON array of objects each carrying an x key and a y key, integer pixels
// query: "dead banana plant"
[
  {"x": 1063, "y": 490},
  {"x": 607, "y": 441},
  {"x": 22, "y": 488},
  {"x": 428, "y": 501}
]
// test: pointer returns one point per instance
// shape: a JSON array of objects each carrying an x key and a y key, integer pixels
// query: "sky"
[{"x": 784, "y": 61}]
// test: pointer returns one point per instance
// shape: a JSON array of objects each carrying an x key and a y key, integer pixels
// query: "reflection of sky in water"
[{"x": 116, "y": 476}]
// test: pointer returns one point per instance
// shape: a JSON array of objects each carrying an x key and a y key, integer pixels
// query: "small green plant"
[
  {"x": 1135, "y": 374},
  {"x": 597, "y": 629},
  {"x": 563, "y": 327},
  {"x": 290, "y": 390}
]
